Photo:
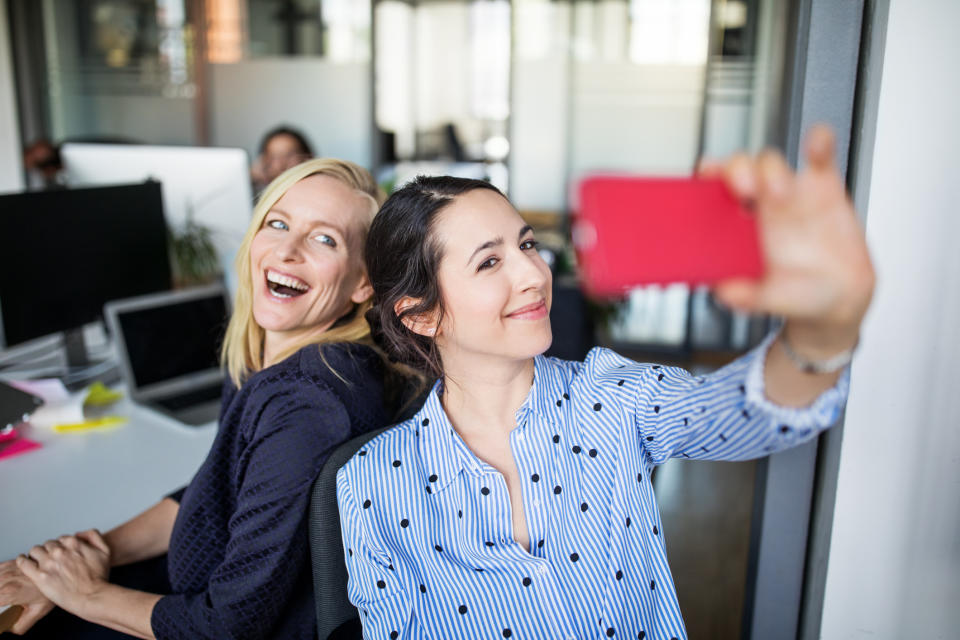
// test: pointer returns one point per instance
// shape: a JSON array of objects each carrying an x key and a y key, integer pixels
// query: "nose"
[
  {"x": 531, "y": 272},
  {"x": 288, "y": 248}
]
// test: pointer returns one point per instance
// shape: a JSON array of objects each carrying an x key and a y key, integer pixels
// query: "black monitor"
[{"x": 64, "y": 254}]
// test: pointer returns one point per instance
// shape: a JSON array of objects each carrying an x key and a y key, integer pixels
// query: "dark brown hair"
[
  {"x": 283, "y": 130},
  {"x": 402, "y": 257}
]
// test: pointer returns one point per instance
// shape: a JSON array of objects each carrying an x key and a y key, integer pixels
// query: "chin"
[
  {"x": 542, "y": 348},
  {"x": 536, "y": 344},
  {"x": 271, "y": 322}
]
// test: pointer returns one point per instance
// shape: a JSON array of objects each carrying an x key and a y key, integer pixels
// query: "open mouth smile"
[{"x": 284, "y": 286}]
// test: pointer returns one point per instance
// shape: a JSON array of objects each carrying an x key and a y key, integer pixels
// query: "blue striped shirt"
[{"x": 427, "y": 525}]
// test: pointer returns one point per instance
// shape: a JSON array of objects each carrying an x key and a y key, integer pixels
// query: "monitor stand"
[
  {"x": 78, "y": 359},
  {"x": 75, "y": 348}
]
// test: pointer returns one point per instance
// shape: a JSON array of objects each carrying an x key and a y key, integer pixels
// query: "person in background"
[
  {"x": 518, "y": 503},
  {"x": 280, "y": 149},
  {"x": 303, "y": 378},
  {"x": 43, "y": 165}
]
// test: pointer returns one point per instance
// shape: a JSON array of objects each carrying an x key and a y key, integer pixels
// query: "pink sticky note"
[{"x": 15, "y": 448}]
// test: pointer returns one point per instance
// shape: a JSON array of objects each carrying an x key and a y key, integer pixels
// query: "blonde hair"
[{"x": 242, "y": 351}]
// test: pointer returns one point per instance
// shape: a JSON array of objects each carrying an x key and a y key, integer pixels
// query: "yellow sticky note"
[{"x": 99, "y": 395}]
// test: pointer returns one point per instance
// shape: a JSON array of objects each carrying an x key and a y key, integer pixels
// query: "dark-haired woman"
[
  {"x": 280, "y": 148},
  {"x": 517, "y": 502}
]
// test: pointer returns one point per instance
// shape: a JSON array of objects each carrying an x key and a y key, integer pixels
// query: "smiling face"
[
  {"x": 496, "y": 288},
  {"x": 305, "y": 260}
]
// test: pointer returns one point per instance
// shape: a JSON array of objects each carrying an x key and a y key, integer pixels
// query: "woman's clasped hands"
[{"x": 68, "y": 572}]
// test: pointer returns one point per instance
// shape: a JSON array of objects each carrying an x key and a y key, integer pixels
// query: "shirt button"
[
  {"x": 519, "y": 436},
  {"x": 542, "y": 569},
  {"x": 536, "y": 502}
]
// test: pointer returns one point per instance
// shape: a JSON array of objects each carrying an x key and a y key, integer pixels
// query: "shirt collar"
[
  {"x": 545, "y": 391},
  {"x": 445, "y": 454},
  {"x": 437, "y": 441}
]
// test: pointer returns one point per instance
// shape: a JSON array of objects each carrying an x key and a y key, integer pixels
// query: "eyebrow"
[{"x": 497, "y": 242}]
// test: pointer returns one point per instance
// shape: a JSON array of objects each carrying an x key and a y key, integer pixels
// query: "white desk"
[{"x": 95, "y": 479}]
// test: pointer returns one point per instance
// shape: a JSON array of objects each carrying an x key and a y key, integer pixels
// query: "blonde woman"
[{"x": 302, "y": 380}]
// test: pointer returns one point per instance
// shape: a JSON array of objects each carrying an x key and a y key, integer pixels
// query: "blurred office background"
[{"x": 530, "y": 94}]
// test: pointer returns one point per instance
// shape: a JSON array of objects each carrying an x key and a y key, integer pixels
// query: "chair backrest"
[{"x": 336, "y": 617}]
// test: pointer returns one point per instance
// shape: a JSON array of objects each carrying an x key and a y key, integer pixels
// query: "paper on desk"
[
  {"x": 63, "y": 411},
  {"x": 50, "y": 389},
  {"x": 59, "y": 406}
]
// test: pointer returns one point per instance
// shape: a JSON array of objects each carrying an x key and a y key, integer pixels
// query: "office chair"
[{"x": 337, "y": 619}]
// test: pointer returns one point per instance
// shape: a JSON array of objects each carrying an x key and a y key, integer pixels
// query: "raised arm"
[{"x": 819, "y": 276}]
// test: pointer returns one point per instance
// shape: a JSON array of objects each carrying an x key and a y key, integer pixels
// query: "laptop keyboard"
[{"x": 190, "y": 398}]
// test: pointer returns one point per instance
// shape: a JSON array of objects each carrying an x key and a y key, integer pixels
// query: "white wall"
[
  {"x": 635, "y": 117},
  {"x": 11, "y": 158},
  {"x": 623, "y": 117},
  {"x": 329, "y": 102},
  {"x": 894, "y": 566},
  {"x": 147, "y": 119}
]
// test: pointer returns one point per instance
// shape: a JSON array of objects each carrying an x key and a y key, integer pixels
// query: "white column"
[{"x": 894, "y": 564}]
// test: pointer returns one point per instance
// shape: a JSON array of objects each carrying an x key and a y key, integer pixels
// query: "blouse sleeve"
[
  {"x": 725, "y": 415},
  {"x": 373, "y": 587},
  {"x": 292, "y": 435}
]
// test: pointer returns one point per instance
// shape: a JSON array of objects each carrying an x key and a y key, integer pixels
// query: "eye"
[
  {"x": 277, "y": 224},
  {"x": 488, "y": 263},
  {"x": 325, "y": 239},
  {"x": 527, "y": 245}
]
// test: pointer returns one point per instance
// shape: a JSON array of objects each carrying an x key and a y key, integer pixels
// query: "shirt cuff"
[{"x": 823, "y": 412}]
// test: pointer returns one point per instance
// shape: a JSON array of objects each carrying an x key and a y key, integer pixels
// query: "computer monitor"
[
  {"x": 211, "y": 184},
  {"x": 64, "y": 254}
]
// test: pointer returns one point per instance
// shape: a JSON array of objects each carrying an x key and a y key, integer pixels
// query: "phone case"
[{"x": 632, "y": 231}]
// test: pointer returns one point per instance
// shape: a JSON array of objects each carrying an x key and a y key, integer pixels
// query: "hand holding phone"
[{"x": 631, "y": 231}]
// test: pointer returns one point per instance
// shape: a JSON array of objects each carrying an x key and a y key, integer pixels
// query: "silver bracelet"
[{"x": 830, "y": 365}]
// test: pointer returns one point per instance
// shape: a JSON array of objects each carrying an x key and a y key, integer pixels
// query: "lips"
[{"x": 532, "y": 311}]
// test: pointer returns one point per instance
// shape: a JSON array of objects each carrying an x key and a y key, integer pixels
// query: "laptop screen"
[{"x": 173, "y": 340}]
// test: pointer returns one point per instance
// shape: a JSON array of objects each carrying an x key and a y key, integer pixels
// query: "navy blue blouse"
[
  {"x": 427, "y": 525},
  {"x": 239, "y": 561}
]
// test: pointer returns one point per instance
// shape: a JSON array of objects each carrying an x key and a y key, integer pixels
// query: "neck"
[
  {"x": 485, "y": 394},
  {"x": 279, "y": 344}
]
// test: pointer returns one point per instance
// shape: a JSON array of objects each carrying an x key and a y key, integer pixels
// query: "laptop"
[{"x": 168, "y": 346}]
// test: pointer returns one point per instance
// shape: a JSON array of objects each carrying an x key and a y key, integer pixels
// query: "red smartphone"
[{"x": 631, "y": 231}]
